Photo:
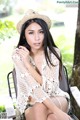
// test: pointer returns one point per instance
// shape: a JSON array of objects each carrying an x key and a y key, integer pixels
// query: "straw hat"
[{"x": 31, "y": 14}]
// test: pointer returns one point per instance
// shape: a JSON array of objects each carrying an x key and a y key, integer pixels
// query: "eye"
[
  {"x": 30, "y": 32},
  {"x": 41, "y": 31}
]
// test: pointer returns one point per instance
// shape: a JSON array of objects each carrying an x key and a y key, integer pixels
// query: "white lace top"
[{"x": 27, "y": 85}]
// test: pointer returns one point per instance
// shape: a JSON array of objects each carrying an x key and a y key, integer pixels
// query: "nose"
[{"x": 37, "y": 37}]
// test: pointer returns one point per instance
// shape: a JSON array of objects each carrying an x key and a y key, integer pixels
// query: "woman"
[{"x": 37, "y": 63}]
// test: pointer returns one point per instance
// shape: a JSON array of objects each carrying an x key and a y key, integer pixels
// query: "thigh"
[
  {"x": 61, "y": 102},
  {"x": 52, "y": 117},
  {"x": 37, "y": 112},
  {"x": 29, "y": 114}
]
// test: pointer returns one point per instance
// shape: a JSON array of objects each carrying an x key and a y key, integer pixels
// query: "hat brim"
[{"x": 26, "y": 18}]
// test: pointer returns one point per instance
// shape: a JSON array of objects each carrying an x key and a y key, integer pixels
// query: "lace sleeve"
[
  {"x": 51, "y": 76},
  {"x": 37, "y": 92},
  {"x": 34, "y": 88}
]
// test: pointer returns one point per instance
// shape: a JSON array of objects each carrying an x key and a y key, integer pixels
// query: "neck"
[{"x": 36, "y": 52}]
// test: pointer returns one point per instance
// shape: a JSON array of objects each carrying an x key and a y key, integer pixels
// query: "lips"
[{"x": 36, "y": 43}]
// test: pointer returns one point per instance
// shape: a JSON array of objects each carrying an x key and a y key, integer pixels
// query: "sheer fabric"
[{"x": 27, "y": 85}]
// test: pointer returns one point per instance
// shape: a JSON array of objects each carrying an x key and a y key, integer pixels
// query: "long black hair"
[{"x": 48, "y": 41}]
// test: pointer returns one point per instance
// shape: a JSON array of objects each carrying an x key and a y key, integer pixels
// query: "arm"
[
  {"x": 25, "y": 58},
  {"x": 34, "y": 73}
]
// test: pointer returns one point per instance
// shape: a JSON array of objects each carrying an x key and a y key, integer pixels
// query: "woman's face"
[{"x": 34, "y": 35}]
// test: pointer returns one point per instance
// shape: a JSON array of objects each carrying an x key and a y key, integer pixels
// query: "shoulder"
[
  {"x": 57, "y": 50},
  {"x": 53, "y": 58}
]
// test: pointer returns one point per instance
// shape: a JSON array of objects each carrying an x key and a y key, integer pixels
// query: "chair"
[
  {"x": 64, "y": 85},
  {"x": 12, "y": 84}
]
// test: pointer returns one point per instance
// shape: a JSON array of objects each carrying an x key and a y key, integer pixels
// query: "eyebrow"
[{"x": 33, "y": 30}]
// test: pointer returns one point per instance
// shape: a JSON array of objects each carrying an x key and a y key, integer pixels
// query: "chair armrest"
[{"x": 76, "y": 94}]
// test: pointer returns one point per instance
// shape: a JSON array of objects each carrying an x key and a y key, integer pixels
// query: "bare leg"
[
  {"x": 52, "y": 117},
  {"x": 37, "y": 112},
  {"x": 61, "y": 102},
  {"x": 40, "y": 112}
]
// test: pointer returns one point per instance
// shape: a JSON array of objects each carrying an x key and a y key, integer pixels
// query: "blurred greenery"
[
  {"x": 67, "y": 51},
  {"x": 7, "y": 29},
  {"x": 2, "y": 108},
  {"x": 4, "y": 1},
  {"x": 65, "y": 43},
  {"x": 8, "y": 35}
]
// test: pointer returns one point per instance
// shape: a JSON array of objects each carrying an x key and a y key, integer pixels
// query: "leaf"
[
  {"x": 2, "y": 108},
  {"x": 7, "y": 29}
]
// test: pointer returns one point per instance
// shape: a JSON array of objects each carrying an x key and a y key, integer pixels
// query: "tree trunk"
[{"x": 75, "y": 78}]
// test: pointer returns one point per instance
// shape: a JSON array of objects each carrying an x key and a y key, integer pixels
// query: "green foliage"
[
  {"x": 14, "y": 104},
  {"x": 7, "y": 29},
  {"x": 67, "y": 51},
  {"x": 2, "y": 108},
  {"x": 3, "y": 1}
]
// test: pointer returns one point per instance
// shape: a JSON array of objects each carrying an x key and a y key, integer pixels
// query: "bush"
[
  {"x": 2, "y": 108},
  {"x": 7, "y": 29}
]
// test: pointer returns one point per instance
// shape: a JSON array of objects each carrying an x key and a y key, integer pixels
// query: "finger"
[
  {"x": 21, "y": 52},
  {"x": 24, "y": 48},
  {"x": 15, "y": 51}
]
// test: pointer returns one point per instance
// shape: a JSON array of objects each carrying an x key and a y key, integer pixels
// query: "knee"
[
  {"x": 40, "y": 107},
  {"x": 52, "y": 117},
  {"x": 39, "y": 111}
]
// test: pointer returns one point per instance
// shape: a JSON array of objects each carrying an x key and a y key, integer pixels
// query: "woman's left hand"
[{"x": 23, "y": 53}]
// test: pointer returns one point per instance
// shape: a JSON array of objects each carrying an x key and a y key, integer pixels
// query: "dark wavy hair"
[{"x": 48, "y": 41}]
